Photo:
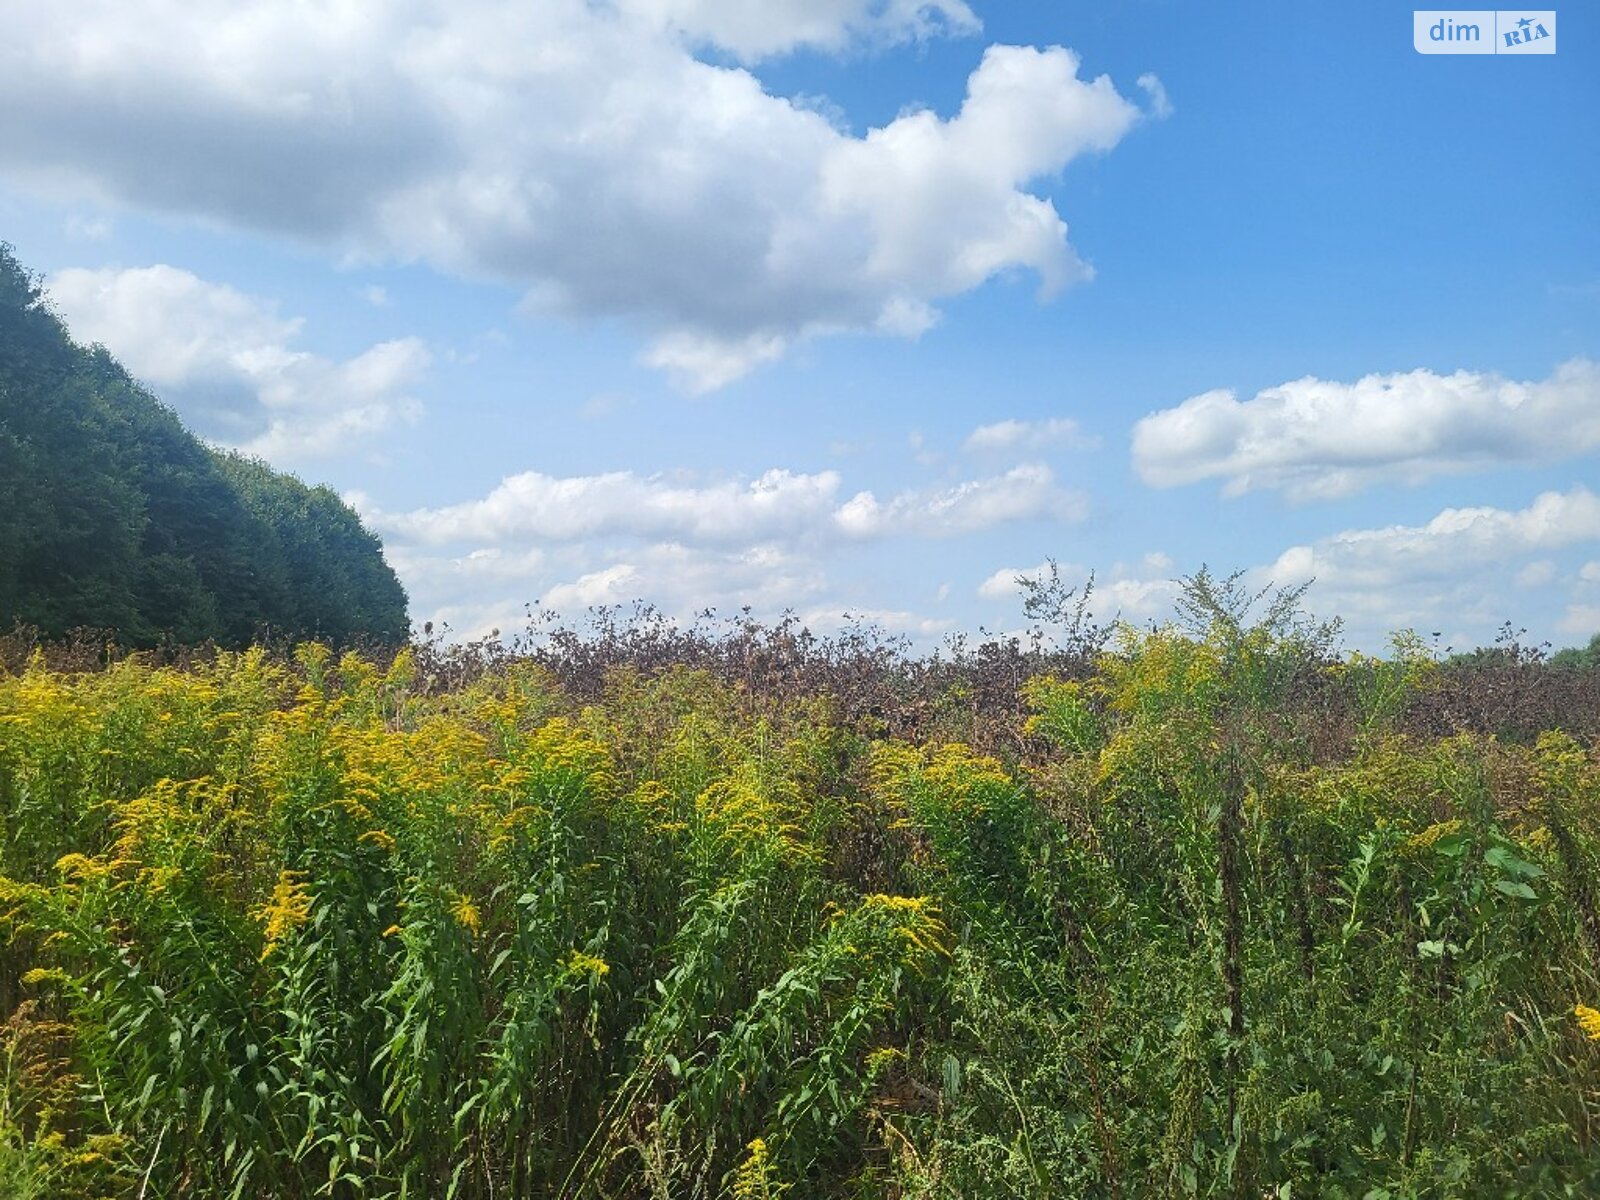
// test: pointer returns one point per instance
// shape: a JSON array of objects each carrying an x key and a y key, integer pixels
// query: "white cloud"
[
  {"x": 1581, "y": 619},
  {"x": 578, "y": 149},
  {"x": 1456, "y": 572},
  {"x": 1029, "y": 435},
  {"x": 1317, "y": 439},
  {"x": 489, "y": 588},
  {"x": 1021, "y": 494},
  {"x": 699, "y": 363},
  {"x": 1135, "y": 599},
  {"x": 1462, "y": 573},
  {"x": 1131, "y": 592},
  {"x": 1006, "y": 583},
  {"x": 1160, "y": 104},
  {"x": 680, "y": 542},
  {"x": 487, "y": 565},
  {"x": 1456, "y": 539},
  {"x": 776, "y": 505},
  {"x": 532, "y": 506},
  {"x": 616, "y": 584},
  {"x": 225, "y": 360},
  {"x": 1537, "y": 574}
]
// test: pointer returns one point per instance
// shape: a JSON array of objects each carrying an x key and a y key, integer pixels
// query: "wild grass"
[{"x": 330, "y": 926}]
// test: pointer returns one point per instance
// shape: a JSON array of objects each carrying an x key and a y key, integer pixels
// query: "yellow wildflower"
[
  {"x": 1430, "y": 835},
  {"x": 157, "y": 879},
  {"x": 81, "y": 868},
  {"x": 42, "y": 975},
  {"x": 755, "y": 1178},
  {"x": 1588, "y": 1021},
  {"x": 466, "y": 914},
  {"x": 880, "y": 1059},
  {"x": 580, "y": 963},
  {"x": 378, "y": 838},
  {"x": 289, "y": 908},
  {"x": 914, "y": 904}
]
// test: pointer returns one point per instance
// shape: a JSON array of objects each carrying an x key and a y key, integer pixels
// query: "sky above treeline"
[{"x": 854, "y": 307}]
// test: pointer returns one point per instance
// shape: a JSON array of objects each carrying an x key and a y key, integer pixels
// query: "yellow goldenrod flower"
[
  {"x": 1430, "y": 835},
  {"x": 1588, "y": 1021},
  {"x": 289, "y": 908},
  {"x": 755, "y": 1179},
  {"x": 80, "y": 868},
  {"x": 878, "y": 1060},
  {"x": 466, "y": 914},
  {"x": 580, "y": 963}
]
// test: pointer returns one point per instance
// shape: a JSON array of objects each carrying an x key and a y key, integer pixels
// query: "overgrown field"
[{"x": 290, "y": 928}]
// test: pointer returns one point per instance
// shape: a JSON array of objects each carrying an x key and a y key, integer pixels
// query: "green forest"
[{"x": 115, "y": 518}]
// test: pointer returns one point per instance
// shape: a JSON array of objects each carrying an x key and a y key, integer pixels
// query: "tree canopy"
[{"x": 113, "y": 516}]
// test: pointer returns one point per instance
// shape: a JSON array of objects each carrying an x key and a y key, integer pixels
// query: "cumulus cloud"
[
  {"x": 1316, "y": 439},
  {"x": 1537, "y": 574},
  {"x": 1156, "y": 91},
  {"x": 578, "y": 149},
  {"x": 492, "y": 588},
  {"x": 531, "y": 505},
  {"x": 1029, "y": 435},
  {"x": 1583, "y": 619},
  {"x": 1008, "y": 582},
  {"x": 681, "y": 581},
  {"x": 226, "y": 361},
  {"x": 1458, "y": 573},
  {"x": 681, "y": 542},
  {"x": 1441, "y": 549},
  {"x": 1462, "y": 573},
  {"x": 1021, "y": 494},
  {"x": 1138, "y": 591},
  {"x": 777, "y": 505}
]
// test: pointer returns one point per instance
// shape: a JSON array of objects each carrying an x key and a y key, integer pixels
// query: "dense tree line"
[{"x": 116, "y": 517}]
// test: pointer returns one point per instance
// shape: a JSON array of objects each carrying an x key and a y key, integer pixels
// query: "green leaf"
[
  {"x": 1502, "y": 859},
  {"x": 952, "y": 1076},
  {"x": 1515, "y": 887}
]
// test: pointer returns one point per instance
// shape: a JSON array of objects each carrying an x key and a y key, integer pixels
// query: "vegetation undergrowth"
[{"x": 312, "y": 926}]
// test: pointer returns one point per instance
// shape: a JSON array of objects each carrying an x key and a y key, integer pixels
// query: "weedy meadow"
[{"x": 1197, "y": 910}]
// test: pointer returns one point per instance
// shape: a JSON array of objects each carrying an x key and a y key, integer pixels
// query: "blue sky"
[{"x": 854, "y": 305}]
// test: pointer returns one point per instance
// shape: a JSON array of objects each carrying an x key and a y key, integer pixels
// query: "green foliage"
[
  {"x": 1583, "y": 658},
  {"x": 301, "y": 929},
  {"x": 114, "y": 517}
]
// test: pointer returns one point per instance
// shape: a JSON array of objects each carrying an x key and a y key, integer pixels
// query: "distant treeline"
[{"x": 114, "y": 516}]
